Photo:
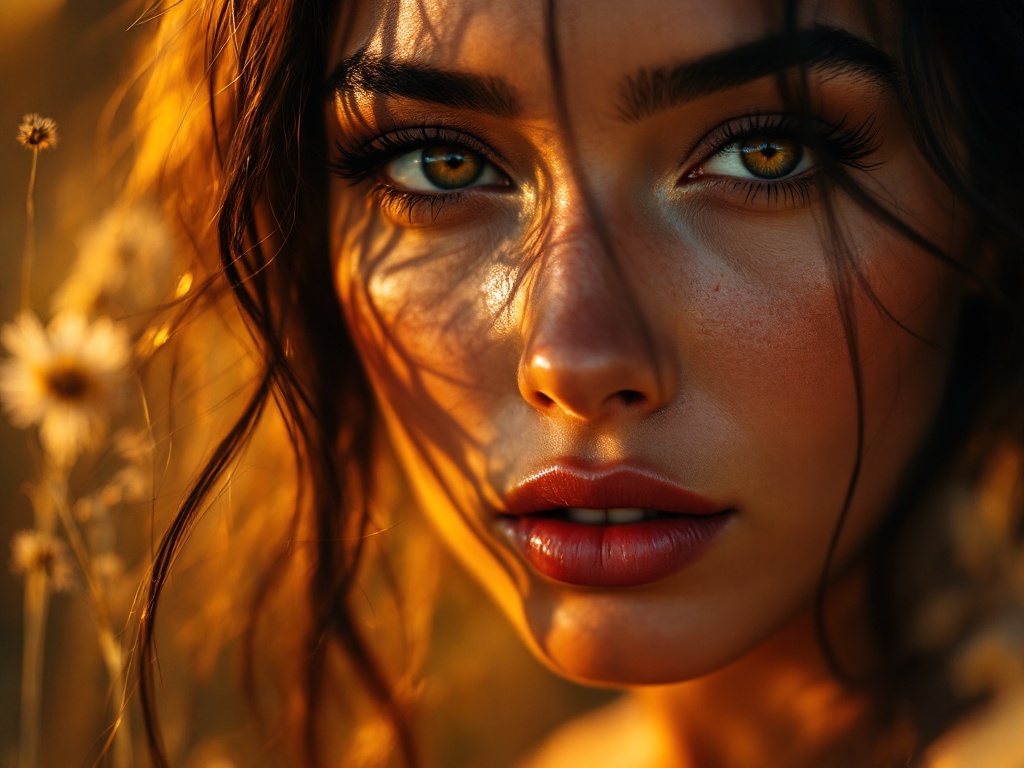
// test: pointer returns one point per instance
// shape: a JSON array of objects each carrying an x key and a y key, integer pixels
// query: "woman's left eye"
[
  {"x": 760, "y": 158},
  {"x": 439, "y": 168}
]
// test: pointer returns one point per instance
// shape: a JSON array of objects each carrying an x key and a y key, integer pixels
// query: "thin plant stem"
[
  {"x": 121, "y": 732},
  {"x": 37, "y": 600},
  {"x": 30, "y": 235},
  {"x": 36, "y": 603},
  {"x": 110, "y": 647}
]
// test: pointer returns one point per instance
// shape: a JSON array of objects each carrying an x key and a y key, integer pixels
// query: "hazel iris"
[
  {"x": 770, "y": 158},
  {"x": 449, "y": 166}
]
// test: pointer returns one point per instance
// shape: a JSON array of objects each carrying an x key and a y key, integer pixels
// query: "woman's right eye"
[{"x": 440, "y": 168}]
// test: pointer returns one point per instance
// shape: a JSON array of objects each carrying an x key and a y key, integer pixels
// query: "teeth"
[
  {"x": 617, "y": 516},
  {"x": 587, "y": 516},
  {"x": 626, "y": 515}
]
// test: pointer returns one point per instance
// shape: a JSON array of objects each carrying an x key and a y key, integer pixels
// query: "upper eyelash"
[{"x": 357, "y": 162}]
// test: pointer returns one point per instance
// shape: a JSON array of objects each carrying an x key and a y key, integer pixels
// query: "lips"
[{"x": 618, "y": 526}]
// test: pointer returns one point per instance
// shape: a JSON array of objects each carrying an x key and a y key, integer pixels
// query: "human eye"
[
  {"x": 761, "y": 158},
  {"x": 774, "y": 160},
  {"x": 437, "y": 168},
  {"x": 418, "y": 173}
]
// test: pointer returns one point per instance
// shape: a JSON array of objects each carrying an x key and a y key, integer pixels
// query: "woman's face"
[{"x": 587, "y": 263}]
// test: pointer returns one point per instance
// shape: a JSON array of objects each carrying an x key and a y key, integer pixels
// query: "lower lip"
[{"x": 626, "y": 555}]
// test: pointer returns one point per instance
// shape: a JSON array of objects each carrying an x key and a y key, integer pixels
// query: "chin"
[{"x": 607, "y": 641}]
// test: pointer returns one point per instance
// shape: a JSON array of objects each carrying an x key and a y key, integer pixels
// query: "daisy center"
[{"x": 67, "y": 382}]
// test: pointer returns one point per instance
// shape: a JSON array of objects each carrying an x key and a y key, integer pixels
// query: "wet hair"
[{"x": 255, "y": 164}]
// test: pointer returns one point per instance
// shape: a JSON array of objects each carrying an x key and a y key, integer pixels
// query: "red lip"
[
  {"x": 568, "y": 485},
  {"x": 607, "y": 555}
]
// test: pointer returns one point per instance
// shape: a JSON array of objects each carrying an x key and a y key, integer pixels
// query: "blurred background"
[
  {"x": 60, "y": 59},
  {"x": 67, "y": 59}
]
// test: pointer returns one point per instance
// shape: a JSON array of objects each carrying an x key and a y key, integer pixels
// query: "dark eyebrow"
[
  {"x": 652, "y": 90},
  {"x": 387, "y": 76}
]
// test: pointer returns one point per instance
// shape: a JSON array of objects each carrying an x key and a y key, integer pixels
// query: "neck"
[{"x": 781, "y": 699}]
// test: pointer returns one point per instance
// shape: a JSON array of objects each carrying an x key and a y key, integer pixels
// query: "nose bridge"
[{"x": 589, "y": 350}]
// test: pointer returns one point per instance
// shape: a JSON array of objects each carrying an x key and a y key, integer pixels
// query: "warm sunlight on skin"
[{"x": 616, "y": 286}]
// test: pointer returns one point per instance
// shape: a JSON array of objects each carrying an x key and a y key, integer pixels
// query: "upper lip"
[{"x": 569, "y": 484}]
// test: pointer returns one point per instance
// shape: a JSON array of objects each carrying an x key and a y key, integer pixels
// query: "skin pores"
[{"x": 618, "y": 289}]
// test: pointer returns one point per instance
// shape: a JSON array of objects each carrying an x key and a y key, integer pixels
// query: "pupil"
[{"x": 450, "y": 167}]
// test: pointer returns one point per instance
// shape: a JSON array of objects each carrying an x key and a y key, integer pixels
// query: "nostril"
[
  {"x": 631, "y": 396},
  {"x": 543, "y": 400}
]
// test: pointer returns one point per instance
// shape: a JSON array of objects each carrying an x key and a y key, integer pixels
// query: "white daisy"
[{"x": 63, "y": 378}]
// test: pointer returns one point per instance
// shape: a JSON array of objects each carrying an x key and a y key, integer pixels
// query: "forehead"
[{"x": 592, "y": 38}]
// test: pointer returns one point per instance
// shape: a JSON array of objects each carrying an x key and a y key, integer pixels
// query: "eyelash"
[
  {"x": 837, "y": 145},
  {"x": 409, "y": 205}
]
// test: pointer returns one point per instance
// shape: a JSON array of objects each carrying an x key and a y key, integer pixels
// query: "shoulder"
[
  {"x": 614, "y": 736},
  {"x": 990, "y": 739}
]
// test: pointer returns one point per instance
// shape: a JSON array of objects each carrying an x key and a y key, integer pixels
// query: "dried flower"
[
  {"x": 89, "y": 509},
  {"x": 126, "y": 267},
  {"x": 37, "y": 132},
  {"x": 34, "y": 551},
  {"x": 62, "y": 378},
  {"x": 134, "y": 446},
  {"x": 130, "y": 484}
]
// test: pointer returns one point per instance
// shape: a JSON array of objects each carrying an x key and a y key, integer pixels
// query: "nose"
[{"x": 589, "y": 350}]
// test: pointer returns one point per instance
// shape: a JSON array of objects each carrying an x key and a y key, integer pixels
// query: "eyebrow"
[
  {"x": 383, "y": 75},
  {"x": 652, "y": 90}
]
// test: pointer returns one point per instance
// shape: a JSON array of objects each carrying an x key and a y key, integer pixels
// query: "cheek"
[
  {"x": 428, "y": 324},
  {"x": 430, "y": 347},
  {"x": 430, "y": 295},
  {"x": 780, "y": 333},
  {"x": 421, "y": 337}
]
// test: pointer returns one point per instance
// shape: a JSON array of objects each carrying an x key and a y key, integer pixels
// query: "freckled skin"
[{"x": 500, "y": 332}]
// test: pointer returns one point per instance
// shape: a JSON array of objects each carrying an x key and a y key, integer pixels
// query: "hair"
[{"x": 231, "y": 132}]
